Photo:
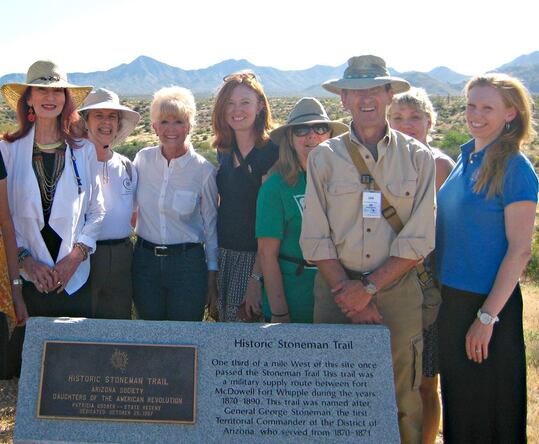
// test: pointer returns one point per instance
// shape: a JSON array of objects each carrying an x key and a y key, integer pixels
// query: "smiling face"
[
  {"x": 486, "y": 114},
  {"x": 410, "y": 120},
  {"x": 48, "y": 103},
  {"x": 303, "y": 145},
  {"x": 102, "y": 126},
  {"x": 172, "y": 131},
  {"x": 242, "y": 107},
  {"x": 368, "y": 108}
]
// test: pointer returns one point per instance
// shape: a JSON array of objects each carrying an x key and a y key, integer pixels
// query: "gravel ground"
[{"x": 8, "y": 401}]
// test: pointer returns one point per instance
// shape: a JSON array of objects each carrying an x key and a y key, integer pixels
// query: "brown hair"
[
  {"x": 515, "y": 135},
  {"x": 224, "y": 135},
  {"x": 68, "y": 120}
]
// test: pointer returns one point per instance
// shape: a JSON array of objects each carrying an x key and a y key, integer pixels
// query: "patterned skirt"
[{"x": 235, "y": 267}]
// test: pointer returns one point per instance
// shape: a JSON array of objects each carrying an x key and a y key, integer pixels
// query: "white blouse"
[
  {"x": 177, "y": 201},
  {"x": 118, "y": 194}
]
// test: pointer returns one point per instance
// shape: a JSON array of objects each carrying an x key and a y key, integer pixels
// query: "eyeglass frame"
[
  {"x": 315, "y": 127},
  {"x": 245, "y": 74}
]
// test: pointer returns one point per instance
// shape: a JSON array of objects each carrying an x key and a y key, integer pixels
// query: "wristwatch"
[
  {"x": 370, "y": 286},
  {"x": 485, "y": 318}
]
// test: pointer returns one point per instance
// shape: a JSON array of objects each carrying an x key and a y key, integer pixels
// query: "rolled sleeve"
[
  {"x": 416, "y": 239},
  {"x": 315, "y": 241}
]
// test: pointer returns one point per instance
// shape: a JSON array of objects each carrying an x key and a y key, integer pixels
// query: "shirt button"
[
  {"x": 367, "y": 255},
  {"x": 407, "y": 193},
  {"x": 368, "y": 230}
]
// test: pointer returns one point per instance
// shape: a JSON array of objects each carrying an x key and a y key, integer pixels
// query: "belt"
[
  {"x": 167, "y": 250},
  {"x": 112, "y": 241}
]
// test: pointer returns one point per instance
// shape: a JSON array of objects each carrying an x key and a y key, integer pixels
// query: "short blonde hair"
[
  {"x": 419, "y": 99},
  {"x": 173, "y": 101}
]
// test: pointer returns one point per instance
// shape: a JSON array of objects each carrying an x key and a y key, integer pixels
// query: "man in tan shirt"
[{"x": 366, "y": 270}]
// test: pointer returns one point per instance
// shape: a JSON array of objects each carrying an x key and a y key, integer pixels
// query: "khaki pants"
[{"x": 400, "y": 306}]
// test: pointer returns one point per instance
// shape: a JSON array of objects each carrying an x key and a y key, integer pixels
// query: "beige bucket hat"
[
  {"x": 308, "y": 111},
  {"x": 102, "y": 98},
  {"x": 364, "y": 72},
  {"x": 47, "y": 74}
]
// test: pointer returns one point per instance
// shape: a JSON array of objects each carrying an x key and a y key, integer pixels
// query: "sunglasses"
[
  {"x": 240, "y": 76},
  {"x": 304, "y": 130}
]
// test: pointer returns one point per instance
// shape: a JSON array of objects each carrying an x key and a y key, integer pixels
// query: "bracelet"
[
  {"x": 22, "y": 255},
  {"x": 16, "y": 282},
  {"x": 281, "y": 315},
  {"x": 83, "y": 248},
  {"x": 258, "y": 277}
]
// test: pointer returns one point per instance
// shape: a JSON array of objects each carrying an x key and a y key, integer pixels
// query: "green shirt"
[{"x": 279, "y": 214}]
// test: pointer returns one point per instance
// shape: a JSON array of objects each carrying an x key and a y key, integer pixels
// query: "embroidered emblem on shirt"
[{"x": 300, "y": 202}]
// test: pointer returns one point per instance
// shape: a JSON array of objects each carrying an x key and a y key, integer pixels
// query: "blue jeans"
[{"x": 171, "y": 288}]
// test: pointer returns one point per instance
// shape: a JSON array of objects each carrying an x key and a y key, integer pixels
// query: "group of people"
[{"x": 312, "y": 221}]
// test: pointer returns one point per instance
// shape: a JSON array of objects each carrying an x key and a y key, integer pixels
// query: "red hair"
[
  {"x": 68, "y": 120},
  {"x": 224, "y": 135}
]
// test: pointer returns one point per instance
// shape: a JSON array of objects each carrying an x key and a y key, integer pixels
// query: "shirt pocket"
[
  {"x": 401, "y": 195},
  {"x": 342, "y": 188},
  {"x": 343, "y": 200},
  {"x": 184, "y": 202}
]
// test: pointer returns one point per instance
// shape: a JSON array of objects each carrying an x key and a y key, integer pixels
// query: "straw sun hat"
[
  {"x": 47, "y": 74},
  {"x": 102, "y": 98},
  {"x": 307, "y": 111},
  {"x": 365, "y": 72}
]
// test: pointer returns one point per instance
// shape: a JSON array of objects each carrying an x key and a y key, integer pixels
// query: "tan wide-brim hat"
[
  {"x": 364, "y": 72},
  {"x": 47, "y": 74},
  {"x": 102, "y": 98},
  {"x": 308, "y": 111}
]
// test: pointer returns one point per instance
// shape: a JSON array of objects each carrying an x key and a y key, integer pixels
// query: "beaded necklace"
[{"x": 47, "y": 182}]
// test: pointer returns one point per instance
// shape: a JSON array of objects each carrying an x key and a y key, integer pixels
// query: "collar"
[
  {"x": 181, "y": 161},
  {"x": 467, "y": 151},
  {"x": 383, "y": 144}
]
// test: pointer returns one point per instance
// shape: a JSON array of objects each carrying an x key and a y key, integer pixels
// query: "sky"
[{"x": 468, "y": 36}]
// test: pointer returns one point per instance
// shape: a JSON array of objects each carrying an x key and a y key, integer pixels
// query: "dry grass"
[
  {"x": 531, "y": 332},
  {"x": 8, "y": 389}
]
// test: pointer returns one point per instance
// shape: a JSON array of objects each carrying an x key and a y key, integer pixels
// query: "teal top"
[{"x": 279, "y": 213}]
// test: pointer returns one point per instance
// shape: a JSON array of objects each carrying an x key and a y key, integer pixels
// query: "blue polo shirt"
[{"x": 470, "y": 229}]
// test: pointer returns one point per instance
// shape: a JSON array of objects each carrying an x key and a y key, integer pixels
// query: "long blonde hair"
[
  {"x": 288, "y": 165},
  {"x": 515, "y": 135}
]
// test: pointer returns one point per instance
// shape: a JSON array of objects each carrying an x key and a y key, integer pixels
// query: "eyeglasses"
[
  {"x": 304, "y": 130},
  {"x": 245, "y": 74}
]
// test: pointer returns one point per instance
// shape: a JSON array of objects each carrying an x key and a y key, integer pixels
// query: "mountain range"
[{"x": 144, "y": 75}]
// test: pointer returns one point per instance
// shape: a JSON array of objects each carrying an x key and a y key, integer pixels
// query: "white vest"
[{"x": 74, "y": 217}]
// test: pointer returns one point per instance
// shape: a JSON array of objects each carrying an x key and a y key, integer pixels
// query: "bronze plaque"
[{"x": 118, "y": 382}]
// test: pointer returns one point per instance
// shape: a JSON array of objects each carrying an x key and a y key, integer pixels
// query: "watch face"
[{"x": 485, "y": 318}]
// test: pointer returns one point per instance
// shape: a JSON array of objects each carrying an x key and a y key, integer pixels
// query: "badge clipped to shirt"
[{"x": 372, "y": 204}]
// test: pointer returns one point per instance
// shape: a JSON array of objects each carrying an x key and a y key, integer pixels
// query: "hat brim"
[
  {"x": 335, "y": 86},
  {"x": 337, "y": 128},
  {"x": 128, "y": 122},
  {"x": 12, "y": 92}
]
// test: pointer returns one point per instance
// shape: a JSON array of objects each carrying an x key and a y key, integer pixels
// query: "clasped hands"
[
  {"x": 47, "y": 279},
  {"x": 356, "y": 303}
]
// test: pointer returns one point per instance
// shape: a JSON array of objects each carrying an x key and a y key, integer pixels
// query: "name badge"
[{"x": 372, "y": 204}]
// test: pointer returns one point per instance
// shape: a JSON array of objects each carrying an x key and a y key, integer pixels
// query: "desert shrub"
[{"x": 451, "y": 142}]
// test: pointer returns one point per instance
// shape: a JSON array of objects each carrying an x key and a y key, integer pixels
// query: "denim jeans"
[{"x": 171, "y": 288}]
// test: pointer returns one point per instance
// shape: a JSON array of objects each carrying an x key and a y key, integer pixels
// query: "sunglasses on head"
[
  {"x": 303, "y": 130},
  {"x": 240, "y": 76}
]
